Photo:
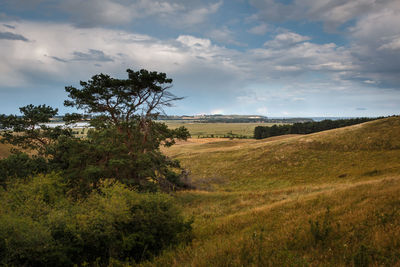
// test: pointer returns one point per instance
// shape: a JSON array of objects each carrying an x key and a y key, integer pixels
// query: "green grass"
[
  {"x": 265, "y": 203},
  {"x": 218, "y": 129}
]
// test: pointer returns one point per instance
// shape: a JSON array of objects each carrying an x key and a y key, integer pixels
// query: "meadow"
[
  {"x": 330, "y": 198},
  {"x": 325, "y": 199}
]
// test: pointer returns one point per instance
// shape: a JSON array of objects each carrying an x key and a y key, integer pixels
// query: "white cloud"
[
  {"x": 197, "y": 15},
  {"x": 82, "y": 52},
  {"x": 194, "y": 42},
  {"x": 394, "y": 44},
  {"x": 259, "y": 29},
  {"x": 196, "y": 64},
  {"x": 224, "y": 35},
  {"x": 286, "y": 39}
]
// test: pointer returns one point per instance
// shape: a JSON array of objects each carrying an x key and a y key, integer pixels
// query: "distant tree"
[{"x": 29, "y": 130}]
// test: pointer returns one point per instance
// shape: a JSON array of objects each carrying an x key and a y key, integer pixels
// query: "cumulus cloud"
[
  {"x": 287, "y": 55},
  {"x": 196, "y": 64},
  {"x": 374, "y": 42},
  {"x": 73, "y": 55}
]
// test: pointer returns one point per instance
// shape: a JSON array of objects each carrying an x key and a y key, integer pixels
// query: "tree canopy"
[{"x": 123, "y": 142}]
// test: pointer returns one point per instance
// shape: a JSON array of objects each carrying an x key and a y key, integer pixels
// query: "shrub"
[
  {"x": 40, "y": 225},
  {"x": 20, "y": 165}
]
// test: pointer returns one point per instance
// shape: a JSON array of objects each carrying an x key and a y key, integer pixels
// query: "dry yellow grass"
[
  {"x": 265, "y": 203},
  {"x": 324, "y": 199},
  {"x": 4, "y": 150},
  {"x": 340, "y": 155}
]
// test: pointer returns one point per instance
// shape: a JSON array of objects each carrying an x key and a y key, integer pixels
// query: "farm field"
[
  {"x": 203, "y": 130},
  {"x": 330, "y": 198},
  {"x": 217, "y": 129}
]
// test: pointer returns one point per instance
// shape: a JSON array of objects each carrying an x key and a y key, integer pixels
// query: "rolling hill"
[{"x": 330, "y": 198}]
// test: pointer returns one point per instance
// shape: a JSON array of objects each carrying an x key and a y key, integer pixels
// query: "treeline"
[{"x": 261, "y": 132}]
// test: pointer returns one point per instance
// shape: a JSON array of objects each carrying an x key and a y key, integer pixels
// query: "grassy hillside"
[
  {"x": 331, "y": 198},
  {"x": 339, "y": 155}
]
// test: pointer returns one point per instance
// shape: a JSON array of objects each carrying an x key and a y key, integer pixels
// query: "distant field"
[{"x": 218, "y": 129}]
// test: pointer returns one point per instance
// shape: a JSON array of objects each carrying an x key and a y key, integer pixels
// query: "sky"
[{"x": 288, "y": 58}]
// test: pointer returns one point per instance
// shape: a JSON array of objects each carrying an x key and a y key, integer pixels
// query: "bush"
[
  {"x": 40, "y": 225},
  {"x": 20, "y": 165}
]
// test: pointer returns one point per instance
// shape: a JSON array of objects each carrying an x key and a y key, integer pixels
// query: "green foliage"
[
  {"x": 123, "y": 144},
  {"x": 117, "y": 101},
  {"x": 40, "y": 225},
  {"x": 20, "y": 165}
]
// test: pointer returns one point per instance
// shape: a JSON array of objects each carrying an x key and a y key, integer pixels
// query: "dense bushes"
[
  {"x": 20, "y": 165},
  {"x": 40, "y": 224},
  {"x": 261, "y": 132}
]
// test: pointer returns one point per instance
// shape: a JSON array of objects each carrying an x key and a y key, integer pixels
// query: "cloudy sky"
[{"x": 275, "y": 58}]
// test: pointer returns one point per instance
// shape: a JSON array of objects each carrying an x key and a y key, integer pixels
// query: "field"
[
  {"x": 325, "y": 199},
  {"x": 217, "y": 129},
  {"x": 330, "y": 198}
]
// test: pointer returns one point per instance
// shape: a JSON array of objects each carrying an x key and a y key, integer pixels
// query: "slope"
[
  {"x": 340, "y": 155},
  {"x": 331, "y": 198}
]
